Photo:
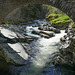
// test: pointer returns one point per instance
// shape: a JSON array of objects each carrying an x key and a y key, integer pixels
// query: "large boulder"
[
  {"x": 10, "y": 36},
  {"x": 50, "y": 34},
  {"x": 35, "y": 32},
  {"x": 13, "y": 48},
  {"x": 45, "y": 34},
  {"x": 14, "y": 53}
]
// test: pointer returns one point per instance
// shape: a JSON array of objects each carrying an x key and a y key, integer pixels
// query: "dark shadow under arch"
[{"x": 7, "y": 6}]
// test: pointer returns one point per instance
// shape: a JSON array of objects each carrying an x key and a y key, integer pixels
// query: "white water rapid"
[{"x": 46, "y": 48}]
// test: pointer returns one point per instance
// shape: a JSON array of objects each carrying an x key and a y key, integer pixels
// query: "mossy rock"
[
  {"x": 52, "y": 17},
  {"x": 59, "y": 19},
  {"x": 3, "y": 63}
]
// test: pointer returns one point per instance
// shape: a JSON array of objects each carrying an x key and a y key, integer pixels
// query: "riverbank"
[{"x": 67, "y": 50}]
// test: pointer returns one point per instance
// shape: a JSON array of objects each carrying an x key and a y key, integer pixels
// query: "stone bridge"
[{"x": 7, "y": 6}]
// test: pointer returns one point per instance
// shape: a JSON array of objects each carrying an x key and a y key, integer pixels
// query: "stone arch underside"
[{"x": 67, "y": 6}]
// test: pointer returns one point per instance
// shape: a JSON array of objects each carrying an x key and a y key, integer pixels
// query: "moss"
[
  {"x": 53, "y": 15},
  {"x": 59, "y": 18}
]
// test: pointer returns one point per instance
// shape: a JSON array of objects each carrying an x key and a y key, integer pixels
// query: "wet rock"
[
  {"x": 3, "y": 40},
  {"x": 48, "y": 24},
  {"x": 14, "y": 53},
  {"x": 67, "y": 51},
  {"x": 45, "y": 34},
  {"x": 50, "y": 34},
  {"x": 8, "y": 33},
  {"x": 3, "y": 63},
  {"x": 60, "y": 26},
  {"x": 11, "y": 48},
  {"x": 44, "y": 27},
  {"x": 51, "y": 28},
  {"x": 48, "y": 27},
  {"x": 23, "y": 38},
  {"x": 35, "y": 32},
  {"x": 66, "y": 31},
  {"x": 59, "y": 61},
  {"x": 40, "y": 27},
  {"x": 62, "y": 39},
  {"x": 27, "y": 47},
  {"x": 54, "y": 30},
  {"x": 1, "y": 35},
  {"x": 10, "y": 36}
]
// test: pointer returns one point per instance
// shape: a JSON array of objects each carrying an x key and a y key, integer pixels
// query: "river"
[{"x": 43, "y": 50}]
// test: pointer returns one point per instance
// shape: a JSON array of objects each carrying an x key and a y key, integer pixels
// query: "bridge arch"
[{"x": 67, "y": 6}]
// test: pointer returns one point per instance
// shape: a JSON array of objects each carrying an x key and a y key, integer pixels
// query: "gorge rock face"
[{"x": 67, "y": 50}]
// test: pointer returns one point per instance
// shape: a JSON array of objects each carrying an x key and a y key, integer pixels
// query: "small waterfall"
[{"x": 44, "y": 49}]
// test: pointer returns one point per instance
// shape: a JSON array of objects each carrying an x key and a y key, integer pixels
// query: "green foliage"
[
  {"x": 59, "y": 18},
  {"x": 8, "y": 22},
  {"x": 53, "y": 15}
]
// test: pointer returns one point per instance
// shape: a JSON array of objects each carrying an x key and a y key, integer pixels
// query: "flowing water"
[{"x": 42, "y": 53}]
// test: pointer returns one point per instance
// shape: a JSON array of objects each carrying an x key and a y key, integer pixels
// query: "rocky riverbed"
[
  {"x": 34, "y": 43},
  {"x": 67, "y": 49},
  {"x": 14, "y": 41}
]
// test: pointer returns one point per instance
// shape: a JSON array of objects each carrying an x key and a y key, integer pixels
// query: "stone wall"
[{"x": 7, "y": 6}]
